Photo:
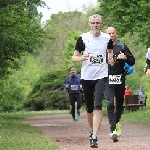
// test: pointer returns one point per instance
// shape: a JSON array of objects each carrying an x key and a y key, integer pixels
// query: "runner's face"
[
  {"x": 112, "y": 33},
  {"x": 73, "y": 71},
  {"x": 95, "y": 24}
]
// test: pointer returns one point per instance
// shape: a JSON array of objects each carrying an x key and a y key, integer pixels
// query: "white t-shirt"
[
  {"x": 96, "y": 66},
  {"x": 148, "y": 54}
]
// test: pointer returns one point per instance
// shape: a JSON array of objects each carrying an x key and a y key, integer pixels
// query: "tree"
[
  {"x": 131, "y": 19},
  {"x": 20, "y": 32},
  {"x": 4, "y": 3},
  {"x": 59, "y": 26},
  {"x": 20, "y": 83},
  {"x": 69, "y": 49},
  {"x": 128, "y": 16}
]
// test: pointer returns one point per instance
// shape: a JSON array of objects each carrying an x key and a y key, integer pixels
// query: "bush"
[{"x": 48, "y": 93}]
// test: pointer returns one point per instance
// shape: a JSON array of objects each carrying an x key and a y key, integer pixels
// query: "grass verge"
[
  {"x": 17, "y": 136},
  {"x": 139, "y": 116}
]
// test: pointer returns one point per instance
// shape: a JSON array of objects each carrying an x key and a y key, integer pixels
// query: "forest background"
[{"x": 34, "y": 58}]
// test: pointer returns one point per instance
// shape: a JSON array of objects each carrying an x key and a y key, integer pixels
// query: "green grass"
[
  {"x": 139, "y": 116},
  {"x": 17, "y": 136}
]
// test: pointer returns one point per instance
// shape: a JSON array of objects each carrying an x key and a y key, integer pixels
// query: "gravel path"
[{"x": 75, "y": 136}]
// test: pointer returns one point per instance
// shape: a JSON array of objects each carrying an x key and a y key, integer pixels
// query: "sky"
[{"x": 62, "y": 5}]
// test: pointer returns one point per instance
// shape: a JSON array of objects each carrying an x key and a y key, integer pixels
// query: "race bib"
[
  {"x": 115, "y": 79},
  {"x": 96, "y": 60},
  {"x": 74, "y": 87}
]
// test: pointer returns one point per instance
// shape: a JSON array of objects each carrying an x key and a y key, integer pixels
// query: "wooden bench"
[{"x": 132, "y": 103}]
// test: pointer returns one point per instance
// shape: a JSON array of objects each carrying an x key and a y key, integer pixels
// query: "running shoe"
[
  {"x": 118, "y": 129},
  {"x": 93, "y": 143},
  {"x": 78, "y": 112},
  {"x": 91, "y": 133},
  {"x": 76, "y": 118},
  {"x": 114, "y": 136}
]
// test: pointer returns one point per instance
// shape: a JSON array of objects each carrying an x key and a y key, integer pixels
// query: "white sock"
[{"x": 94, "y": 136}]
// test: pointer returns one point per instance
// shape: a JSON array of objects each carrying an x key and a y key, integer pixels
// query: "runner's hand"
[
  {"x": 85, "y": 56},
  {"x": 121, "y": 56},
  {"x": 67, "y": 85}
]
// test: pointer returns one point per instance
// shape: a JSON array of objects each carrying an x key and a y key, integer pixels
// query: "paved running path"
[{"x": 75, "y": 136}]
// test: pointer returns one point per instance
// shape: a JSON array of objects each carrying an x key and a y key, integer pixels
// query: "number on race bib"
[
  {"x": 115, "y": 79},
  {"x": 96, "y": 60},
  {"x": 74, "y": 87}
]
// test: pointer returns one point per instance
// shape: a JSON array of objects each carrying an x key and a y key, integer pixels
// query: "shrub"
[{"x": 48, "y": 93}]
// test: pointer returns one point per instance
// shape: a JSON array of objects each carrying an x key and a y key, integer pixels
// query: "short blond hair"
[{"x": 112, "y": 28}]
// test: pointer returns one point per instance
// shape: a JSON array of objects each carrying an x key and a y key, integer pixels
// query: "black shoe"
[
  {"x": 93, "y": 143},
  {"x": 91, "y": 138},
  {"x": 116, "y": 140}
]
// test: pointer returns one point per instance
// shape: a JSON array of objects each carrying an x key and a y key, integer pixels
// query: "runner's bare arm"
[{"x": 77, "y": 57}]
